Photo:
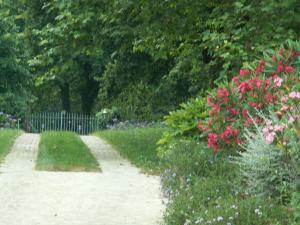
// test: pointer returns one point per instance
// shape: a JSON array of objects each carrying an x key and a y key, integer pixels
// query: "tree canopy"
[
  {"x": 89, "y": 55},
  {"x": 14, "y": 76}
]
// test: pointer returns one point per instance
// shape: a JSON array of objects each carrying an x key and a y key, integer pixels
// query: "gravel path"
[{"x": 120, "y": 195}]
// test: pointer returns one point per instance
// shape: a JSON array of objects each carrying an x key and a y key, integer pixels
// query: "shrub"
[
  {"x": 183, "y": 123},
  {"x": 136, "y": 102},
  {"x": 7, "y": 121},
  {"x": 107, "y": 117},
  {"x": 270, "y": 164},
  {"x": 255, "y": 88}
]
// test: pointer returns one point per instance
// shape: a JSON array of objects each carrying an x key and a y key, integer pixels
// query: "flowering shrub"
[{"x": 234, "y": 106}]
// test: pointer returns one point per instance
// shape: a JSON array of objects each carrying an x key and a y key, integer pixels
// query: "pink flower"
[
  {"x": 269, "y": 122},
  {"x": 291, "y": 119},
  {"x": 284, "y": 99},
  {"x": 280, "y": 127},
  {"x": 278, "y": 81},
  {"x": 265, "y": 131},
  {"x": 270, "y": 137},
  {"x": 284, "y": 108},
  {"x": 294, "y": 95}
]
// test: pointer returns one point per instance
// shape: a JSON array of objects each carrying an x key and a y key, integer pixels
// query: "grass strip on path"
[
  {"x": 64, "y": 151},
  {"x": 7, "y": 138},
  {"x": 136, "y": 144}
]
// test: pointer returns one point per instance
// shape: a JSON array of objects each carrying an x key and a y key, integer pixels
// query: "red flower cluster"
[
  {"x": 232, "y": 105},
  {"x": 213, "y": 142},
  {"x": 261, "y": 67}
]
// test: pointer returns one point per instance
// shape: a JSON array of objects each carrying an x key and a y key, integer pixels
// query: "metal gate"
[{"x": 61, "y": 121}]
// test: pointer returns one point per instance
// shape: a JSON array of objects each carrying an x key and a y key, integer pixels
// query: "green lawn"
[
  {"x": 64, "y": 151},
  {"x": 7, "y": 137},
  {"x": 137, "y": 144}
]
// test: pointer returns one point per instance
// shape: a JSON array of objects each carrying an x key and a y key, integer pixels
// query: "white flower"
[
  {"x": 187, "y": 222},
  {"x": 258, "y": 212},
  {"x": 199, "y": 221},
  {"x": 233, "y": 207},
  {"x": 220, "y": 218}
]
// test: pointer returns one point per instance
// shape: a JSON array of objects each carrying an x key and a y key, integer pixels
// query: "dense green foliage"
[
  {"x": 138, "y": 145},
  {"x": 183, "y": 124},
  {"x": 14, "y": 77},
  {"x": 91, "y": 55},
  {"x": 7, "y": 138},
  {"x": 64, "y": 151}
]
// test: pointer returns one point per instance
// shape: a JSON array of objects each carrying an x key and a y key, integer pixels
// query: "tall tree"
[{"x": 15, "y": 79}]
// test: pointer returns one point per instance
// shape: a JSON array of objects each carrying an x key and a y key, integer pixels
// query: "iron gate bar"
[{"x": 63, "y": 121}]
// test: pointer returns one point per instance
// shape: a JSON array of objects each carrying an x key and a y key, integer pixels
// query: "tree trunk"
[
  {"x": 89, "y": 89},
  {"x": 65, "y": 96},
  {"x": 89, "y": 94}
]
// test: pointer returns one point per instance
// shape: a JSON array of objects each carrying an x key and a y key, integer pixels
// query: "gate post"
[{"x": 61, "y": 119}]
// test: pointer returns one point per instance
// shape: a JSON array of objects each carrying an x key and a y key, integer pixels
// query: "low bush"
[
  {"x": 183, "y": 123},
  {"x": 107, "y": 117},
  {"x": 265, "y": 170}
]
